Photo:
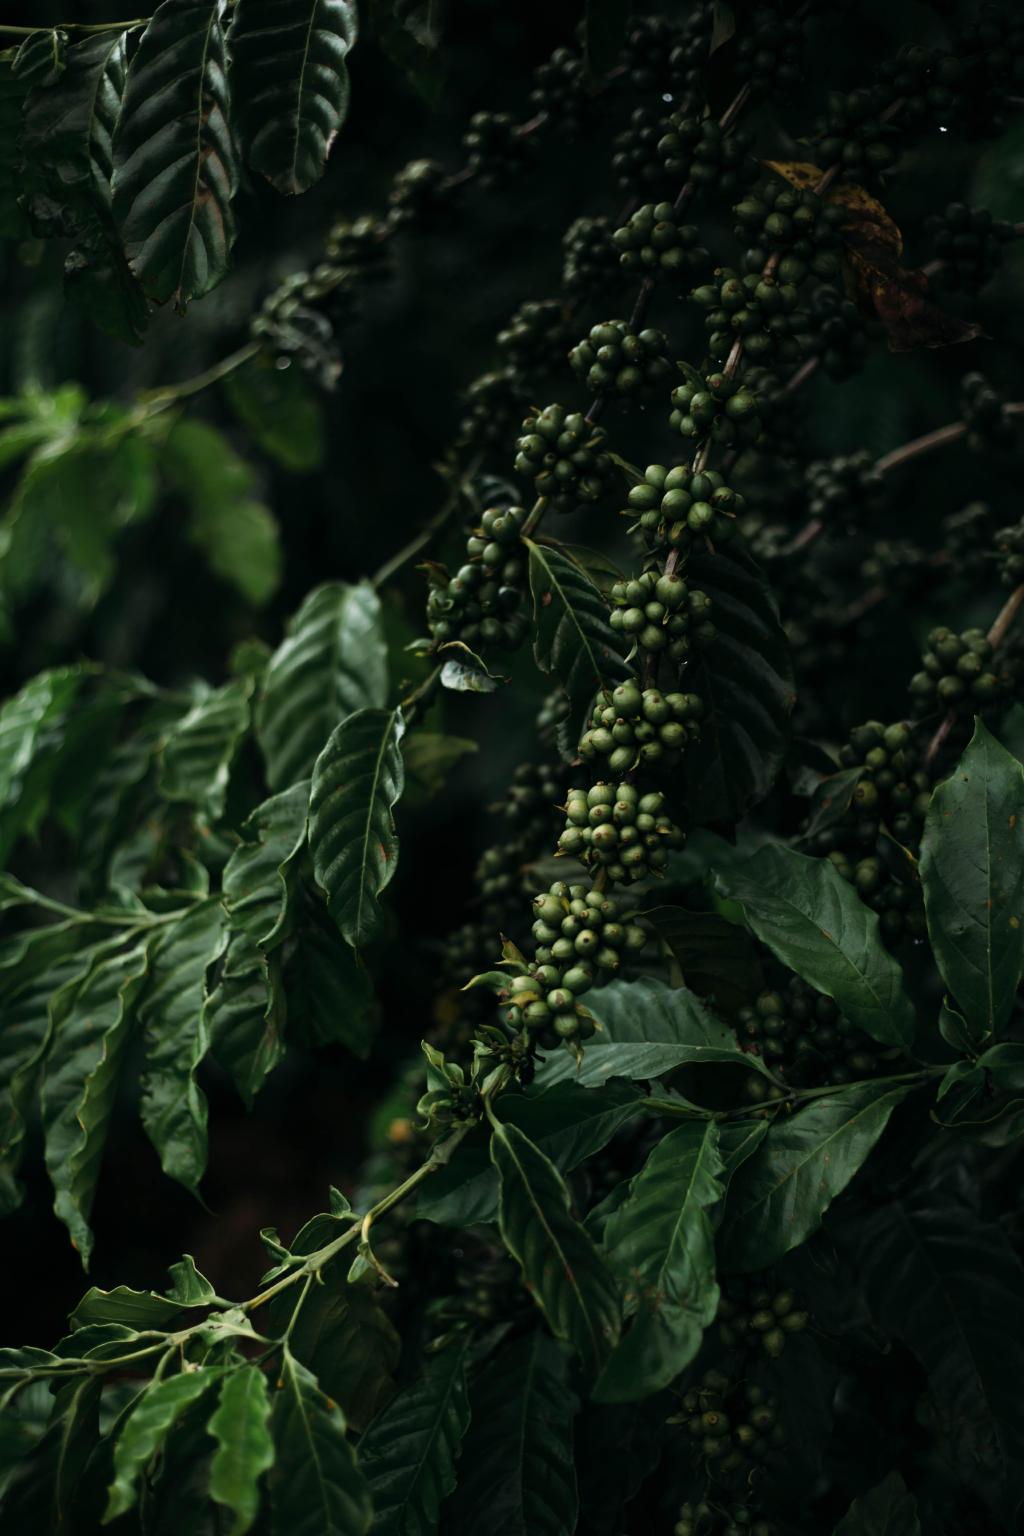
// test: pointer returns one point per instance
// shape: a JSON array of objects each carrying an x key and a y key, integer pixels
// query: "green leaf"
[
  {"x": 31, "y": 726},
  {"x": 316, "y": 1487},
  {"x": 357, "y": 780},
  {"x": 246, "y": 1009},
  {"x": 174, "y": 162},
  {"x": 561, "y": 1266},
  {"x": 780, "y": 1194},
  {"x": 573, "y": 638},
  {"x": 409, "y": 36},
  {"x": 245, "y": 1450},
  {"x": 463, "y": 671},
  {"x": 517, "y": 1476},
  {"x": 410, "y": 1450},
  {"x": 42, "y": 57},
  {"x": 237, "y": 534},
  {"x": 567, "y": 1122},
  {"x": 172, "y": 1013},
  {"x": 948, "y": 1284},
  {"x": 197, "y": 755},
  {"x": 33, "y": 969},
  {"x": 830, "y": 802},
  {"x": 290, "y": 79},
  {"x": 134, "y": 1309},
  {"x": 45, "y": 1493},
  {"x": 91, "y": 1021},
  {"x": 813, "y": 920},
  {"x": 662, "y": 1243},
  {"x": 972, "y": 875},
  {"x": 188, "y": 1287},
  {"x": 745, "y": 678},
  {"x": 344, "y": 1337},
  {"x": 887, "y": 1510},
  {"x": 68, "y": 137},
  {"x": 280, "y": 411},
  {"x": 330, "y": 992},
  {"x": 648, "y": 1029},
  {"x": 431, "y": 756},
  {"x": 333, "y": 662},
  {"x": 618, "y": 1446},
  {"x": 147, "y": 1428},
  {"x": 717, "y": 958}
]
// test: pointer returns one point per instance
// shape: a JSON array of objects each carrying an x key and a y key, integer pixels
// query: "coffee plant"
[{"x": 697, "y": 1209}]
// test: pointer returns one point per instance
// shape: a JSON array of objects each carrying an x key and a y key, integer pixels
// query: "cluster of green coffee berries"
[
  {"x": 697, "y": 150},
  {"x": 360, "y": 244},
  {"x": 718, "y": 406},
  {"x": 535, "y": 339},
  {"x": 419, "y": 194},
  {"x": 982, "y": 411},
  {"x": 804, "y": 1038},
  {"x": 775, "y": 219},
  {"x": 580, "y": 938},
  {"x": 636, "y": 161},
  {"x": 734, "y": 1425},
  {"x": 760, "y": 311},
  {"x": 629, "y": 726},
  {"x": 706, "y": 1519},
  {"x": 853, "y": 134},
  {"x": 565, "y": 457},
  {"x": 838, "y": 333},
  {"x": 753, "y": 1315},
  {"x": 667, "y": 58},
  {"x": 482, "y": 604},
  {"x": 969, "y": 244},
  {"x": 959, "y": 672},
  {"x": 1010, "y": 549},
  {"x": 590, "y": 259},
  {"x": 677, "y": 507},
  {"x": 894, "y": 789},
  {"x": 496, "y": 150},
  {"x": 491, "y": 405},
  {"x": 660, "y": 614},
  {"x": 969, "y": 534},
  {"x": 769, "y": 49},
  {"x": 613, "y": 360},
  {"x": 293, "y": 326},
  {"x": 845, "y": 490},
  {"x": 561, "y": 92},
  {"x": 616, "y": 828},
  {"x": 654, "y": 244}
]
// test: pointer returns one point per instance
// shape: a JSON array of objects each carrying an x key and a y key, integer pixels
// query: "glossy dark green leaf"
[
  {"x": 172, "y": 1014},
  {"x": 344, "y": 1337},
  {"x": 972, "y": 875},
  {"x": 463, "y": 671},
  {"x": 188, "y": 1287},
  {"x": 333, "y": 662},
  {"x": 813, "y": 920},
  {"x": 246, "y": 1009},
  {"x": 357, "y": 780},
  {"x": 647, "y": 1030},
  {"x": 241, "y": 1427},
  {"x": 281, "y": 412},
  {"x": 329, "y": 990},
  {"x": 561, "y": 1266},
  {"x": 717, "y": 958},
  {"x": 778, "y": 1197},
  {"x": 661, "y": 1242},
  {"x": 567, "y": 1122},
  {"x": 316, "y": 1487},
  {"x": 517, "y": 1476},
  {"x": 831, "y": 800},
  {"x": 31, "y": 731},
  {"x": 237, "y": 534},
  {"x": 949, "y": 1285},
  {"x": 174, "y": 161},
  {"x": 196, "y": 759},
  {"x": 572, "y": 638},
  {"x": 147, "y": 1427},
  {"x": 886, "y": 1510},
  {"x": 618, "y": 1446},
  {"x": 68, "y": 135},
  {"x": 122, "y": 1305},
  {"x": 91, "y": 1021},
  {"x": 289, "y": 76},
  {"x": 42, "y": 57},
  {"x": 44, "y": 1494},
  {"x": 33, "y": 969},
  {"x": 409, "y": 1452}
]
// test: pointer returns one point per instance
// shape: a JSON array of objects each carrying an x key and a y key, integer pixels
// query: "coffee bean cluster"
[
  {"x": 616, "y": 828},
  {"x": 969, "y": 243},
  {"x": 802, "y": 1036},
  {"x": 482, "y": 604},
  {"x": 797, "y": 226},
  {"x": 631, "y": 726},
  {"x": 565, "y": 457},
  {"x": 535, "y": 340},
  {"x": 590, "y": 258},
  {"x": 762, "y": 312},
  {"x": 846, "y": 491},
  {"x": 661, "y": 615},
  {"x": 959, "y": 672},
  {"x": 654, "y": 244},
  {"x": 696, "y": 150},
  {"x": 1010, "y": 550},
  {"x": 754, "y": 1315},
  {"x": 613, "y": 360},
  {"x": 732, "y": 1425},
  {"x": 495, "y": 148},
  {"x": 982, "y": 410},
  {"x": 719, "y": 406},
  {"x": 678, "y": 508}
]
